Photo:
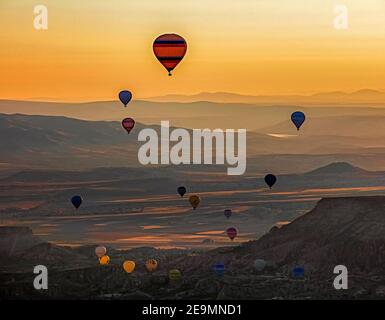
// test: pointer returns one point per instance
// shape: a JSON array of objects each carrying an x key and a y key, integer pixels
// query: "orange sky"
[{"x": 94, "y": 48}]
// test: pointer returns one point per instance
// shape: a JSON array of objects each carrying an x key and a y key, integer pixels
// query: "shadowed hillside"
[{"x": 348, "y": 231}]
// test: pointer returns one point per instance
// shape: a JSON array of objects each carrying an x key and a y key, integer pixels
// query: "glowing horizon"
[{"x": 93, "y": 49}]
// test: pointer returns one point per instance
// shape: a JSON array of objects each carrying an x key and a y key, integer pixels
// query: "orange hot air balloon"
[
  {"x": 104, "y": 260},
  {"x": 100, "y": 251},
  {"x": 169, "y": 49},
  {"x": 129, "y": 266},
  {"x": 194, "y": 201},
  {"x": 128, "y": 124},
  {"x": 151, "y": 265}
]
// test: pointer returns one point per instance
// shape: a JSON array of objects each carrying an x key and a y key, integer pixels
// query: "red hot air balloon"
[
  {"x": 169, "y": 50},
  {"x": 128, "y": 124},
  {"x": 232, "y": 233}
]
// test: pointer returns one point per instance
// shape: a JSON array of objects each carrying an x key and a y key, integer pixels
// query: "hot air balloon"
[
  {"x": 298, "y": 272},
  {"x": 128, "y": 124},
  {"x": 151, "y": 265},
  {"x": 76, "y": 201},
  {"x": 298, "y": 118},
  {"x": 194, "y": 201},
  {"x": 104, "y": 260},
  {"x": 181, "y": 191},
  {"x": 227, "y": 213},
  {"x": 219, "y": 269},
  {"x": 232, "y": 233},
  {"x": 259, "y": 264},
  {"x": 270, "y": 180},
  {"x": 100, "y": 251},
  {"x": 169, "y": 49},
  {"x": 125, "y": 97},
  {"x": 174, "y": 275},
  {"x": 129, "y": 266}
]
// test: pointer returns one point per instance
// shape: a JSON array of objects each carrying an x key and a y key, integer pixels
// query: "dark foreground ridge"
[{"x": 348, "y": 231}]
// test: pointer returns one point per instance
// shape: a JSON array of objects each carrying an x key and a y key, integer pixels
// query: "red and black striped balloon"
[
  {"x": 128, "y": 124},
  {"x": 169, "y": 49}
]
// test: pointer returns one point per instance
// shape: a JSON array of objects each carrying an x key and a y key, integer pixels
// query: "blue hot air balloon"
[
  {"x": 298, "y": 272},
  {"x": 76, "y": 201},
  {"x": 125, "y": 97},
  {"x": 298, "y": 118},
  {"x": 227, "y": 213},
  {"x": 219, "y": 269},
  {"x": 270, "y": 180}
]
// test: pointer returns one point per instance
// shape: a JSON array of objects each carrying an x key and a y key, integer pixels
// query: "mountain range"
[{"x": 364, "y": 96}]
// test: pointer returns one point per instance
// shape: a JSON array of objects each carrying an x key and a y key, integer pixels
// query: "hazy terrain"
[{"x": 337, "y": 156}]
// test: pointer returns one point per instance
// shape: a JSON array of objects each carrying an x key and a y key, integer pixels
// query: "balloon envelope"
[
  {"x": 100, "y": 251},
  {"x": 181, "y": 191},
  {"x": 129, "y": 266},
  {"x": 174, "y": 275},
  {"x": 228, "y": 213},
  {"x": 232, "y": 233},
  {"x": 298, "y": 118},
  {"x": 219, "y": 269},
  {"x": 298, "y": 272},
  {"x": 128, "y": 124},
  {"x": 270, "y": 180},
  {"x": 125, "y": 97},
  {"x": 151, "y": 265},
  {"x": 259, "y": 264},
  {"x": 76, "y": 201},
  {"x": 169, "y": 49},
  {"x": 104, "y": 260},
  {"x": 194, "y": 201}
]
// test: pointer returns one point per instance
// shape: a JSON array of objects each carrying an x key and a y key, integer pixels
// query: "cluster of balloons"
[
  {"x": 125, "y": 97},
  {"x": 170, "y": 49},
  {"x": 101, "y": 253},
  {"x": 193, "y": 199}
]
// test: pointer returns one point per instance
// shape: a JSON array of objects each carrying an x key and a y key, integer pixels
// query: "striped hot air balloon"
[{"x": 169, "y": 49}]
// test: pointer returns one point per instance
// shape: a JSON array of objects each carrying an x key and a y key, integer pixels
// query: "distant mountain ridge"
[
  {"x": 336, "y": 97},
  {"x": 338, "y": 168}
]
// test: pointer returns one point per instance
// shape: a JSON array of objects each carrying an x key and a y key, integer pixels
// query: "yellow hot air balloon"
[
  {"x": 194, "y": 201},
  {"x": 129, "y": 266},
  {"x": 174, "y": 275},
  {"x": 104, "y": 260},
  {"x": 100, "y": 251},
  {"x": 151, "y": 265}
]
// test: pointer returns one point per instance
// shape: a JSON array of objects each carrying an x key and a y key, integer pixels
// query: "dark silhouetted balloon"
[
  {"x": 227, "y": 213},
  {"x": 298, "y": 272},
  {"x": 128, "y": 124},
  {"x": 298, "y": 118},
  {"x": 76, "y": 201},
  {"x": 232, "y": 233},
  {"x": 181, "y": 191},
  {"x": 219, "y": 269},
  {"x": 125, "y": 97},
  {"x": 169, "y": 49},
  {"x": 270, "y": 180},
  {"x": 194, "y": 201}
]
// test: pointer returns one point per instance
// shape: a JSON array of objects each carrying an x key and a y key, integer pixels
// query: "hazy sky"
[{"x": 94, "y": 48}]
